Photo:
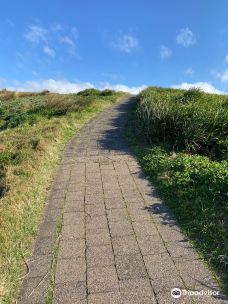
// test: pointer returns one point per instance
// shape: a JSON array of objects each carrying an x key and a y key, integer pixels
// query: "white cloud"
[
  {"x": 68, "y": 41},
  {"x": 222, "y": 76},
  {"x": 49, "y": 51},
  {"x": 204, "y": 86},
  {"x": 125, "y": 43},
  {"x": 58, "y": 86},
  {"x": 165, "y": 52},
  {"x": 36, "y": 34},
  {"x": 226, "y": 58},
  {"x": 64, "y": 86},
  {"x": 122, "y": 87},
  {"x": 185, "y": 37},
  {"x": 190, "y": 72}
]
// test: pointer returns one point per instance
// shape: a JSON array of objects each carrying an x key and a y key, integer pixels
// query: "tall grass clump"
[{"x": 191, "y": 120}]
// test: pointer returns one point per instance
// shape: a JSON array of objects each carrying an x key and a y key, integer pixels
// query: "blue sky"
[{"x": 69, "y": 45}]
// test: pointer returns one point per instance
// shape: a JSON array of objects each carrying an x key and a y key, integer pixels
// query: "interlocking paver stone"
[
  {"x": 69, "y": 270},
  {"x": 118, "y": 243},
  {"x": 98, "y": 256},
  {"x": 167, "y": 283},
  {"x": 74, "y": 206},
  {"x": 102, "y": 279},
  {"x": 137, "y": 291},
  {"x": 96, "y": 222},
  {"x": 125, "y": 245},
  {"x": 159, "y": 265},
  {"x": 73, "y": 232},
  {"x": 72, "y": 249},
  {"x": 130, "y": 266},
  {"x": 105, "y": 298},
  {"x": 73, "y": 218},
  {"x": 120, "y": 230},
  {"x": 144, "y": 228},
  {"x": 98, "y": 237},
  {"x": 149, "y": 245},
  {"x": 71, "y": 292}
]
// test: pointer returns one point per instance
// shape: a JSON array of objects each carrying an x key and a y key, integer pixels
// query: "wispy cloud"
[
  {"x": 36, "y": 34},
  {"x": 222, "y": 76},
  {"x": 125, "y": 43},
  {"x": 190, "y": 72},
  {"x": 185, "y": 37},
  {"x": 65, "y": 86},
  {"x": 226, "y": 58},
  {"x": 67, "y": 40},
  {"x": 71, "y": 44},
  {"x": 49, "y": 51},
  {"x": 165, "y": 52},
  {"x": 204, "y": 86},
  {"x": 53, "y": 35}
]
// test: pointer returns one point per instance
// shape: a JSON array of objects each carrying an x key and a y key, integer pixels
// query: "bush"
[
  {"x": 94, "y": 92},
  {"x": 107, "y": 92},
  {"x": 44, "y": 92},
  {"x": 89, "y": 92}
]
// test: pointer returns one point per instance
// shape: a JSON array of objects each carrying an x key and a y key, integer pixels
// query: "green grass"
[
  {"x": 191, "y": 120},
  {"x": 34, "y": 131},
  {"x": 191, "y": 182}
]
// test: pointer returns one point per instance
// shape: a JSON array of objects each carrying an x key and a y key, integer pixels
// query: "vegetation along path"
[{"x": 106, "y": 237}]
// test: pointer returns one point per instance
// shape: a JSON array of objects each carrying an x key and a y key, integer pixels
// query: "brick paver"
[{"x": 118, "y": 242}]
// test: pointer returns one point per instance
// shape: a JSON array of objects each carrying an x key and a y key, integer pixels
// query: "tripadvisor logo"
[{"x": 176, "y": 293}]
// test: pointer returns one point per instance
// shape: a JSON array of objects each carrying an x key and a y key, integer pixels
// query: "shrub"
[
  {"x": 89, "y": 92},
  {"x": 107, "y": 92},
  {"x": 44, "y": 92}
]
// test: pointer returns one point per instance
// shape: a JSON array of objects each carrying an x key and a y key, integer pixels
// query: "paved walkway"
[{"x": 118, "y": 243}]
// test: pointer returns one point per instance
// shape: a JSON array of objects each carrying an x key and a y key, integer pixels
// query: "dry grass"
[{"x": 7, "y": 95}]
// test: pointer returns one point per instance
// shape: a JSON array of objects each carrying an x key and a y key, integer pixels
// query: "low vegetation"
[
  {"x": 33, "y": 131},
  {"x": 180, "y": 137}
]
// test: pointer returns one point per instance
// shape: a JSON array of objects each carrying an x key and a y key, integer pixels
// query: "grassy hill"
[
  {"x": 34, "y": 128},
  {"x": 181, "y": 139}
]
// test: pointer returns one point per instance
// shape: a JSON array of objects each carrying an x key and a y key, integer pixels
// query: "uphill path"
[{"x": 116, "y": 241}]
